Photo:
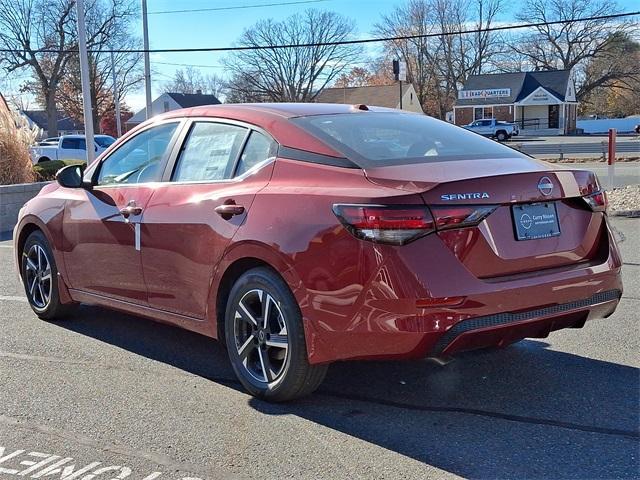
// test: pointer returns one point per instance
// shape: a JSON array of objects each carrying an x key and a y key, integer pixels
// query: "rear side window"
[
  {"x": 377, "y": 139},
  {"x": 209, "y": 152},
  {"x": 259, "y": 147},
  {"x": 74, "y": 143}
]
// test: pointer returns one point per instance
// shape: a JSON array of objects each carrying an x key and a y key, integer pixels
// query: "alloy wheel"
[
  {"x": 38, "y": 276},
  {"x": 260, "y": 333}
]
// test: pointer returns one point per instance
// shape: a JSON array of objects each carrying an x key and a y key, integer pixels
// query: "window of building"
[{"x": 482, "y": 112}]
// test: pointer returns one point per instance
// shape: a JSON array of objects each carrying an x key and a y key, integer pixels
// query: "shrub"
[
  {"x": 45, "y": 171},
  {"x": 15, "y": 138}
]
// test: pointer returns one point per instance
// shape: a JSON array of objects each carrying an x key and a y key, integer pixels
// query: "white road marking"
[
  {"x": 13, "y": 298},
  {"x": 45, "y": 464}
]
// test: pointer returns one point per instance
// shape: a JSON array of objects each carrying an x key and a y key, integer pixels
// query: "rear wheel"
[
  {"x": 502, "y": 136},
  {"x": 40, "y": 278},
  {"x": 265, "y": 338},
  {"x": 44, "y": 159}
]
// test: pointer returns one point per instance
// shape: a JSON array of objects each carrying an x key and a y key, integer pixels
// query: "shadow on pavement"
[{"x": 523, "y": 412}]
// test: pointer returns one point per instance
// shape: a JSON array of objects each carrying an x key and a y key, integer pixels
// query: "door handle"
[
  {"x": 130, "y": 209},
  {"x": 228, "y": 210}
]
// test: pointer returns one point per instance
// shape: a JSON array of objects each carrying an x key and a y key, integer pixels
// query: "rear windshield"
[{"x": 378, "y": 139}]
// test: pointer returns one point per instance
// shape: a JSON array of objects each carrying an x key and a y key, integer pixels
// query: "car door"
[
  {"x": 101, "y": 226},
  {"x": 70, "y": 149},
  {"x": 191, "y": 218}
]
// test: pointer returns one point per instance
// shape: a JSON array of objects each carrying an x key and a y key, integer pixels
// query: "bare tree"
[
  {"x": 191, "y": 80},
  {"x": 295, "y": 74},
  {"x": 26, "y": 28},
  {"x": 611, "y": 81},
  {"x": 576, "y": 45},
  {"x": 109, "y": 26},
  {"x": 438, "y": 64},
  {"x": 361, "y": 77}
]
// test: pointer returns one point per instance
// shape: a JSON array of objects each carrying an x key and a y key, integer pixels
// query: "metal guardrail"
[{"x": 561, "y": 149}]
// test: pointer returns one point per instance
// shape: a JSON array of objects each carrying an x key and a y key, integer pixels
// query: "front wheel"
[
  {"x": 265, "y": 338},
  {"x": 40, "y": 278}
]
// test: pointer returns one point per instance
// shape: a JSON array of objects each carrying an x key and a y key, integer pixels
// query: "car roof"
[
  {"x": 282, "y": 110},
  {"x": 272, "y": 117}
]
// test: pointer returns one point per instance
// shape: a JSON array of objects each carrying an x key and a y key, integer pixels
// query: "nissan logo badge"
[{"x": 545, "y": 186}]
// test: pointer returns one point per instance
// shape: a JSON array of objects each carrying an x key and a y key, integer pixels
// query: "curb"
[{"x": 625, "y": 213}]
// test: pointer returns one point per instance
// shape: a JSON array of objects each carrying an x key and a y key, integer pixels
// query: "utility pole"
[
  {"x": 84, "y": 78},
  {"x": 116, "y": 97},
  {"x": 147, "y": 68}
]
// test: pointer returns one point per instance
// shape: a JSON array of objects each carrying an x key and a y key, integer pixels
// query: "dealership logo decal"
[
  {"x": 526, "y": 221},
  {"x": 545, "y": 186}
]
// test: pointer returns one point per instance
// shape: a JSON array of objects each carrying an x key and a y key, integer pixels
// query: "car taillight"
[
  {"x": 391, "y": 224},
  {"x": 460, "y": 216},
  {"x": 597, "y": 201}
]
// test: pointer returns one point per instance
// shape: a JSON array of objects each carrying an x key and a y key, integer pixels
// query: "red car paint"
[{"x": 358, "y": 299}]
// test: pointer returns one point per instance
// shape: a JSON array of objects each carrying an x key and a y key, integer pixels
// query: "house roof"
[
  {"x": 187, "y": 100},
  {"x": 522, "y": 84},
  {"x": 376, "y": 95},
  {"x": 65, "y": 123}
]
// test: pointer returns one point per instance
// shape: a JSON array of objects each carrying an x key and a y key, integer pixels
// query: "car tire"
[
  {"x": 501, "y": 136},
  {"x": 43, "y": 159},
  {"x": 268, "y": 357},
  {"x": 40, "y": 279}
]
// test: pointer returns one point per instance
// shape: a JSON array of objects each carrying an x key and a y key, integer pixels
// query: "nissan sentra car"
[{"x": 304, "y": 234}]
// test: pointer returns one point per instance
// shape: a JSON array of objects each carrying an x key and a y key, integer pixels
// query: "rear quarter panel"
[{"x": 291, "y": 226}]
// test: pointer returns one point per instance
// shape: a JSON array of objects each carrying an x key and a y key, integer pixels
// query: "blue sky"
[{"x": 222, "y": 28}]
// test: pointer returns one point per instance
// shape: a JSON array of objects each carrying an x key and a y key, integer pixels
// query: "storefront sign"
[
  {"x": 540, "y": 97},
  {"x": 482, "y": 94}
]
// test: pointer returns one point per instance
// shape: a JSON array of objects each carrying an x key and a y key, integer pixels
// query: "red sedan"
[{"x": 302, "y": 234}]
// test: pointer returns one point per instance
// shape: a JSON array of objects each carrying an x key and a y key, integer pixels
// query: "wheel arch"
[
  {"x": 240, "y": 258},
  {"x": 26, "y": 227}
]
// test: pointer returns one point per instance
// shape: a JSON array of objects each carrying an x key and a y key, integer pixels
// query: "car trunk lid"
[{"x": 491, "y": 248}]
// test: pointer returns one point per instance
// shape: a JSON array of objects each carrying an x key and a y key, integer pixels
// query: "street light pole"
[
  {"x": 147, "y": 68},
  {"x": 84, "y": 78}
]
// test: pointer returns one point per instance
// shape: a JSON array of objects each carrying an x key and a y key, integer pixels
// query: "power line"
[
  {"x": 342, "y": 42},
  {"x": 237, "y": 7}
]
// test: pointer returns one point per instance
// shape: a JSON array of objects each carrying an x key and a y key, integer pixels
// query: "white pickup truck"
[
  {"x": 493, "y": 128},
  {"x": 67, "y": 147}
]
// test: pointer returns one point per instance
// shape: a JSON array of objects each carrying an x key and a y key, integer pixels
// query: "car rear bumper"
[
  {"x": 438, "y": 308},
  {"x": 505, "y": 328}
]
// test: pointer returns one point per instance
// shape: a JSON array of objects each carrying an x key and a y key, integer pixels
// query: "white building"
[{"x": 173, "y": 101}]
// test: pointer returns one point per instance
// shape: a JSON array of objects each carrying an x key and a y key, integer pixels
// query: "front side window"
[
  {"x": 139, "y": 159},
  {"x": 209, "y": 152},
  {"x": 376, "y": 139},
  {"x": 259, "y": 147}
]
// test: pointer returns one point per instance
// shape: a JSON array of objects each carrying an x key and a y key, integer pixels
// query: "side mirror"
[{"x": 71, "y": 176}]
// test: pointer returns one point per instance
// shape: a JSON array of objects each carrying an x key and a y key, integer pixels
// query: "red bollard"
[{"x": 612, "y": 156}]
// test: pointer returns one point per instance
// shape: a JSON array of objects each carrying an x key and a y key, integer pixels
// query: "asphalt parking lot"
[{"x": 105, "y": 395}]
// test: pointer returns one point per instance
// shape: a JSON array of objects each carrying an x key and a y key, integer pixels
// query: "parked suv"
[{"x": 493, "y": 128}]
